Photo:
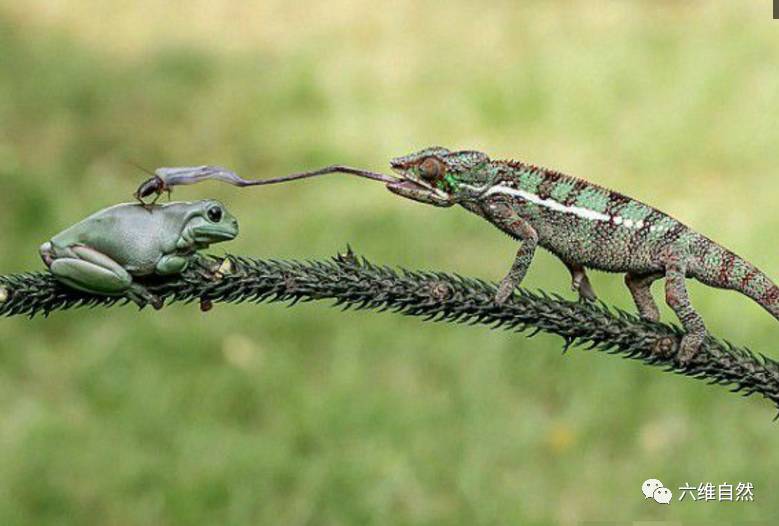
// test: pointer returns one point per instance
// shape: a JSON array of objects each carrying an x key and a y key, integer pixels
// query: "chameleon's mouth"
[{"x": 408, "y": 182}]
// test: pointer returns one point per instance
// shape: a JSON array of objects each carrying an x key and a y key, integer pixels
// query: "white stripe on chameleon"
[
  {"x": 551, "y": 204},
  {"x": 575, "y": 210}
]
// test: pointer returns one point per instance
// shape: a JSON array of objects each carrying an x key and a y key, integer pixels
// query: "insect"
[
  {"x": 587, "y": 227},
  {"x": 164, "y": 179},
  {"x": 104, "y": 253}
]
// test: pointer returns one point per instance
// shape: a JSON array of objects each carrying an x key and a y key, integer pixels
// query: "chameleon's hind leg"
[
  {"x": 678, "y": 299},
  {"x": 508, "y": 219},
  {"x": 640, "y": 288},
  {"x": 580, "y": 282}
]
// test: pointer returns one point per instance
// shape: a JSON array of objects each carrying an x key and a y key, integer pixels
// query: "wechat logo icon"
[{"x": 654, "y": 489}]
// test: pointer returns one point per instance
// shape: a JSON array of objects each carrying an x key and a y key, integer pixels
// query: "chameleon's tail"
[{"x": 729, "y": 271}]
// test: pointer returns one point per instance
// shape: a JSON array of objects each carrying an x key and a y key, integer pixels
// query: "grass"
[{"x": 310, "y": 416}]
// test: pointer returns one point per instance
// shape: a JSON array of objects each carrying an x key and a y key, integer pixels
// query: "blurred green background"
[{"x": 268, "y": 415}]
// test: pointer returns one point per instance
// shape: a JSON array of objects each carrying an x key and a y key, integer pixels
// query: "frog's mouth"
[{"x": 213, "y": 234}]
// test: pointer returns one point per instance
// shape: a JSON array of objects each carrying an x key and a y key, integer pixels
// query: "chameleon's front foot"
[
  {"x": 664, "y": 347},
  {"x": 505, "y": 290},
  {"x": 581, "y": 285},
  {"x": 689, "y": 347},
  {"x": 580, "y": 282}
]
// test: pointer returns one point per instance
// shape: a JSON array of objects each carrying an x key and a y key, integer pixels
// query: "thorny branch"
[{"x": 353, "y": 282}]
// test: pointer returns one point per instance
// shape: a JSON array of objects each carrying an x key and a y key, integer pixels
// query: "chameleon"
[
  {"x": 587, "y": 227},
  {"x": 164, "y": 179},
  {"x": 103, "y": 253}
]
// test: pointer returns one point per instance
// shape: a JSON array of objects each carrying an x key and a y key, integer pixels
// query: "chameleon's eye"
[
  {"x": 431, "y": 169},
  {"x": 214, "y": 214}
]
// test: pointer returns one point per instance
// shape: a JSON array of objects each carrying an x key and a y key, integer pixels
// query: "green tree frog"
[{"x": 104, "y": 252}]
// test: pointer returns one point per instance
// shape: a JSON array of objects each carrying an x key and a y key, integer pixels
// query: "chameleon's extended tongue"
[
  {"x": 164, "y": 179},
  {"x": 323, "y": 171}
]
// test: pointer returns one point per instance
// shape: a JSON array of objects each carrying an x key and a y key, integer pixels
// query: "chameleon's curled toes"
[
  {"x": 586, "y": 293},
  {"x": 580, "y": 283},
  {"x": 664, "y": 347},
  {"x": 689, "y": 347},
  {"x": 505, "y": 291}
]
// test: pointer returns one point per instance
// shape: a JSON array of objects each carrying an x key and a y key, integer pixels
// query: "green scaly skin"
[{"x": 586, "y": 226}]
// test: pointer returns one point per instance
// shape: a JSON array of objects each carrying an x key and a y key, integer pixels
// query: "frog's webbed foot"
[{"x": 141, "y": 296}]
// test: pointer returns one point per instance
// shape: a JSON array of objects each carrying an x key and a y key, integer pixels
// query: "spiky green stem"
[{"x": 354, "y": 282}]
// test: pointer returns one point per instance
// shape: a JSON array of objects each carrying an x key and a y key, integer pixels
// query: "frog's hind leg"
[
  {"x": 580, "y": 282},
  {"x": 88, "y": 270}
]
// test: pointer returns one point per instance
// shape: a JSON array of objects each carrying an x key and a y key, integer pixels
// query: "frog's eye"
[
  {"x": 214, "y": 214},
  {"x": 431, "y": 169}
]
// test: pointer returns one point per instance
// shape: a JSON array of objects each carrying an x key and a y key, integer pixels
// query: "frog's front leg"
[
  {"x": 88, "y": 270},
  {"x": 172, "y": 264}
]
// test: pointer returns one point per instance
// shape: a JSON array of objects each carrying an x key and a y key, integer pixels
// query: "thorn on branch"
[{"x": 354, "y": 282}]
